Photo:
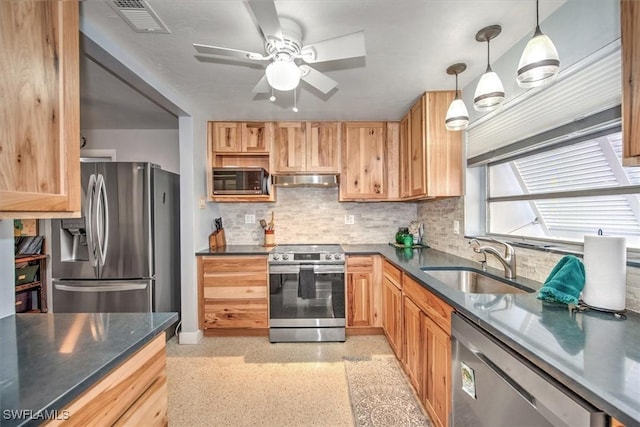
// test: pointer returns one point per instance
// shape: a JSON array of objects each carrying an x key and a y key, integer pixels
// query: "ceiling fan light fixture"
[
  {"x": 489, "y": 92},
  {"x": 283, "y": 75},
  {"x": 457, "y": 117},
  {"x": 540, "y": 62}
]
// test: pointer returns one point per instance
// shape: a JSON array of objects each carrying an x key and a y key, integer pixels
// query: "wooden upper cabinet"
[
  {"x": 444, "y": 168},
  {"x": 630, "y": 27},
  {"x": 307, "y": 147},
  {"x": 289, "y": 141},
  {"x": 405, "y": 157},
  {"x": 226, "y": 136},
  {"x": 323, "y": 147},
  {"x": 416, "y": 160},
  {"x": 40, "y": 109},
  {"x": 364, "y": 169},
  {"x": 241, "y": 137},
  {"x": 431, "y": 157}
]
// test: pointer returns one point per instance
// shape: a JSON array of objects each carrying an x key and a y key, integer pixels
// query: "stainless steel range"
[{"x": 306, "y": 296}]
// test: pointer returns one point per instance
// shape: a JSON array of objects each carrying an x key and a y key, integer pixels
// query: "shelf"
[
  {"x": 239, "y": 198},
  {"x": 27, "y": 286},
  {"x": 29, "y": 258}
]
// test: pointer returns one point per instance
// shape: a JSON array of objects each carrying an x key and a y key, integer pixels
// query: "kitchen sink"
[{"x": 475, "y": 282}]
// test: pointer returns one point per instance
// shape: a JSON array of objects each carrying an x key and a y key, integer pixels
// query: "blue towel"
[{"x": 565, "y": 282}]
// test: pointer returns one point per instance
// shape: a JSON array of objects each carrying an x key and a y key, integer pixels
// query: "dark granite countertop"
[
  {"x": 591, "y": 353},
  {"x": 47, "y": 360},
  {"x": 237, "y": 250}
]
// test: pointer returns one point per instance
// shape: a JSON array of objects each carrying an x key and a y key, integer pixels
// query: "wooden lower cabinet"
[
  {"x": 427, "y": 348},
  {"x": 233, "y": 292},
  {"x": 392, "y": 311},
  {"x": 413, "y": 345},
  {"x": 364, "y": 291},
  {"x": 436, "y": 393},
  {"x": 133, "y": 394}
]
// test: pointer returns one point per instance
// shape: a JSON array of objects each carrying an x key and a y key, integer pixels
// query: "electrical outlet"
[
  {"x": 349, "y": 219},
  {"x": 203, "y": 202},
  {"x": 456, "y": 227},
  {"x": 250, "y": 219}
]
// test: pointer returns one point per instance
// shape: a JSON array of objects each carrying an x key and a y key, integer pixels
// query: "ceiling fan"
[{"x": 283, "y": 47}]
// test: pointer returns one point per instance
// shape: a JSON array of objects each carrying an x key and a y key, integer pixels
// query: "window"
[{"x": 567, "y": 190}]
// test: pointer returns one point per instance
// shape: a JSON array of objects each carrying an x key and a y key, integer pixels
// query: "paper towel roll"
[{"x": 605, "y": 266}]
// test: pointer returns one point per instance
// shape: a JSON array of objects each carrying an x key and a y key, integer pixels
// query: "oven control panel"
[{"x": 301, "y": 258}]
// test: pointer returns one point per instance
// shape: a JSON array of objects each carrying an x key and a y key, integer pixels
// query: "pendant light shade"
[
  {"x": 457, "y": 117},
  {"x": 539, "y": 63},
  {"x": 283, "y": 74},
  {"x": 489, "y": 92}
]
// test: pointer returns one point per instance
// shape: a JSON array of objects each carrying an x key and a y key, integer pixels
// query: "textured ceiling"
[{"x": 409, "y": 46}]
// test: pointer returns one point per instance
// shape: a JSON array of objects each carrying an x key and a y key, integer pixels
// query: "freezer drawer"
[{"x": 115, "y": 296}]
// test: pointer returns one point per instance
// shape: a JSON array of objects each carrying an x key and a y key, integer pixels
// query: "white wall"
[
  {"x": 160, "y": 146},
  {"x": 7, "y": 268}
]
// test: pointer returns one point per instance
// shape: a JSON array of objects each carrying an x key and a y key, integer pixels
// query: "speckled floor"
[{"x": 232, "y": 381}]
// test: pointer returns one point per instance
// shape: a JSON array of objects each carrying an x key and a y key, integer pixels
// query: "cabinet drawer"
[
  {"x": 434, "y": 307},
  {"x": 222, "y": 264},
  {"x": 393, "y": 273},
  {"x": 234, "y": 280},
  {"x": 235, "y": 291},
  {"x": 249, "y": 313},
  {"x": 359, "y": 263}
]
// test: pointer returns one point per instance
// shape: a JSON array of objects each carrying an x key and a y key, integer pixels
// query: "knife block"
[{"x": 217, "y": 240}]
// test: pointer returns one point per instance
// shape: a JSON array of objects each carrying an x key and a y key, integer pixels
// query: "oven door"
[{"x": 306, "y": 295}]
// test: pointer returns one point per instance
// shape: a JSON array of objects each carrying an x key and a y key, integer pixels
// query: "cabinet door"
[
  {"x": 444, "y": 148},
  {"x": 226, "y": 136},
  {"x": 323, "y": 147},
  {"x": 413, "y": 344},
  {"x": 359, "y": 299},
  {"x": 437, "y": 376},
  {"x": 416, "y": 161},
  {"x": 289, "y": 147},
  {"x": 363, "y": 161},
  {"x": 405, "y": 156},
  {"x": 630, "y": 28},
  {"x": 256, "y": 137},
  {"x": 392, "y": 315},
  {"x": 39, "y": 109},
  {"x": 233, "y": 291}
]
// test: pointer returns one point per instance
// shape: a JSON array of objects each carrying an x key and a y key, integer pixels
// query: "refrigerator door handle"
[
  {"x": 88, "y": 214},
  {"x": 102, "y": 219},
  {"x": 102, "y": 288}
]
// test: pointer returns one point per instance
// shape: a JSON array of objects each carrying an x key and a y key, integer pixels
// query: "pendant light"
[
  {"x": 539, "y": 63},
  {"x": 489, "y": 92},
  {"x": 457, "y": 115}
]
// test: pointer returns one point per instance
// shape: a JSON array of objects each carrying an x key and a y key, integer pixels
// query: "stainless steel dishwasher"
[{"x": 493, "y": 386}]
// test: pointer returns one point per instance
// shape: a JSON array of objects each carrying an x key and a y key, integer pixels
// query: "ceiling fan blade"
[
  {"x": 315, "y": 78},
  {"x": 341, "y": 47},
  {"x": 262, "y": 86},
  {"x": 267, "y": 17},
  {"x": 236, "y": 53}
]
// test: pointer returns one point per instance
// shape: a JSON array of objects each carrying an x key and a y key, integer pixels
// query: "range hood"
[{"x": 309, "y": 180}]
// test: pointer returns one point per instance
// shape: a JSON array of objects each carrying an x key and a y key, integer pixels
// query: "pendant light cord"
[
  {"x": 538, "y": 31},
  {"x": 488, "y": 57}
]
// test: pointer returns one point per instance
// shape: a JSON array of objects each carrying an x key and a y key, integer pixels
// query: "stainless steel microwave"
[{"x": 240, "y": 181}]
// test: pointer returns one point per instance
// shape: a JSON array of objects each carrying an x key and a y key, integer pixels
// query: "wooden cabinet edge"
[{"x": 140, "y": 363}]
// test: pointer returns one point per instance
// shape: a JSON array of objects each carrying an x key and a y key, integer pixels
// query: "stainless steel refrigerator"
[{"x": 122, "y": 255}]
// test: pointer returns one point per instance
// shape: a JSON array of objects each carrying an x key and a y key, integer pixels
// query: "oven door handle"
[
  {"x": 284, "y": 269},
  {"x": 328, "y": 268}
]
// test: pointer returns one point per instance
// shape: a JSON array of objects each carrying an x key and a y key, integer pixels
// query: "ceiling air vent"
[{"x": 139, "y": 15}]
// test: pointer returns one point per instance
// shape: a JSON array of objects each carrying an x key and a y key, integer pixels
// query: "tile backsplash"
[
  {"x": 314, "y": 215},
  {"x": 438, "y": 217}
]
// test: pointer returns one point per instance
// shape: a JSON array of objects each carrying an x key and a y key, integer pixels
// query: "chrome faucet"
[{"x": 508, "y": 261}]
